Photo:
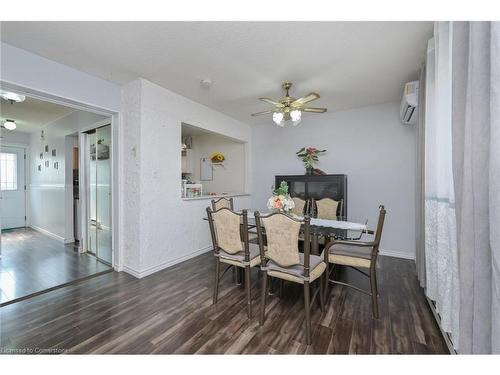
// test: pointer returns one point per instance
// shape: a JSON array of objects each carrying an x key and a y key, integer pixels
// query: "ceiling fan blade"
[
  {"x": 305, "y": 99},
  {"x": 273, "y": 102},
  {"x": 262, "y": 113},
  {"x": 313, "y": 110}
]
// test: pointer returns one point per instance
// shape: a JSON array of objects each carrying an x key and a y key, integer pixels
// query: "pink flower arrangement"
[
  {"x": 309, "y": 156},
  {"x": 281, "y": 201}
]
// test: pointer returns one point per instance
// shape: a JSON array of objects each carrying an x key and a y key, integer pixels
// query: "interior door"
[
  {"x": 103, "y": 193},
  {"x": 99, "y": 193},
  {"x": 12, "y": 187}
]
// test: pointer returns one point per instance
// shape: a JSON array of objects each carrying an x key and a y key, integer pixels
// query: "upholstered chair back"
[
  {"x": 282, "y": 234},
  {"x": 221, "y": 203},
  {"x": 227, "y": 230},
  {"x": 299, "y": 206},
  {"x": 326, "y": 208}
]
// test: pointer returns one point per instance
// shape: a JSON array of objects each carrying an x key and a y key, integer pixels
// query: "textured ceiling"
[
  {"x": 350, "y": 64},
  {"x": 31, "y": 114}
]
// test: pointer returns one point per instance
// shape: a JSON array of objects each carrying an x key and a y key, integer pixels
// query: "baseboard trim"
[
  {"x": 162, "y": 266},
  {"x": 47, "y": 233},
  {"x": 396, "y": 254}
]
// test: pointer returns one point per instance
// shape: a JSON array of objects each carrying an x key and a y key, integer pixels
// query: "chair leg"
[
  {"x": 216, "y": 285},
  {"x": 307, "y": 306},
  {"x": 321, "y": 293},
  {"x": 325, "y": 281},
  {"x": 263, "y": 293},
  {"x": 248, "y": 290},
  {"x": 373, "y": 284}
]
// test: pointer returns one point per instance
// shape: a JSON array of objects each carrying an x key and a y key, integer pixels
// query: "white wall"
[
  {"x": 163, "y": 229},
  {"x": 369, "y": 145},
  {"x": 229, "y": 177},
  {"x": 50, "y": 207}
]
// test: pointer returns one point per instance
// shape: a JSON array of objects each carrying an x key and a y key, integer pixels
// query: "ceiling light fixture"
[
  {"x": 296, "y": 116},
  {"x": 278, "y": 118},
  {"x": 289, "y": 109},
  {"x": 9, "y": 124},
  {"x": 12, "y": 96}
]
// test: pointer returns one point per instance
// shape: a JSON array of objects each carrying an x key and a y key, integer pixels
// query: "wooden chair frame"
[
  {"x": 372, "y": 274},
  {"x": 308, "y": 301},
  {"x": 246, "y": 248},
  {"x": 215, "y": 201}
]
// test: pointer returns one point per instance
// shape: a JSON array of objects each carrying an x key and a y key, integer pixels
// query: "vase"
[{"x": 309, "y": 170}]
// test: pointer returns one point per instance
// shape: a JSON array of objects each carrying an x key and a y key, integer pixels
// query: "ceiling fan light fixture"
[
  {"x": 278, "y": 118},
  {"x": 9, "y": 124},
  {"x": 296, "y": 115},
  {"x": 289, "y": 109}
]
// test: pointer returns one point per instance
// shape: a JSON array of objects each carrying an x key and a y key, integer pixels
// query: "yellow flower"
[{"x": 217, "y": 157}]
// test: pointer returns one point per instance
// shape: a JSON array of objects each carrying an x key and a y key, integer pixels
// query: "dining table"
[{"x": 340, "y": 229}]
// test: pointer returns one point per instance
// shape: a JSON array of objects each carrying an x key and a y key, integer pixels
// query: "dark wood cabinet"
[{"x": 309, "y": 186}]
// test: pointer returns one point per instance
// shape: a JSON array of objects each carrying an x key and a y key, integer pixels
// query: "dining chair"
[
  {"x": 231, "y": 246},
  {"x": 222, "y": 202},
  {"x": 301, "y": 206},
  {"x": 327, "y": 208},
  {"x": 357, "y": 254},
  {"x": 280, "y": 258}
]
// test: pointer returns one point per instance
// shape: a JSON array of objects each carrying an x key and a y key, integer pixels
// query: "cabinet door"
[
  {"x": 296, "y": 186},
  {"x": 332, "y": 188}
]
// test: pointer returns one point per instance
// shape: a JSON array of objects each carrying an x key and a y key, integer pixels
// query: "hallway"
[{"x": 32, "y": 262}]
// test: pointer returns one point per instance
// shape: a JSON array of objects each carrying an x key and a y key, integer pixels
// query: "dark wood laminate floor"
[
  {"x": 171, "y": 312},
  {"x": 32, "y": 262}
]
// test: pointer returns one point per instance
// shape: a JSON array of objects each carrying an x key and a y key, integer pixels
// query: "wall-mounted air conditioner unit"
[{"x": 409, "y": 103}]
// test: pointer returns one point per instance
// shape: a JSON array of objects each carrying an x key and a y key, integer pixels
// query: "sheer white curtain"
[{"x": 441, "y": 263}]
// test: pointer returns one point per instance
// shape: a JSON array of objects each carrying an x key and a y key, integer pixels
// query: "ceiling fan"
[{"x": 289, "y": 108}]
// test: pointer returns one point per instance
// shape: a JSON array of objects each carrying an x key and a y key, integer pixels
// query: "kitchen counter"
[{"x": 216, "y": 196}]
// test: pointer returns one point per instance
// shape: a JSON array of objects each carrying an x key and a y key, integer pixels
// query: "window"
[{"x": 8, "y": 171}]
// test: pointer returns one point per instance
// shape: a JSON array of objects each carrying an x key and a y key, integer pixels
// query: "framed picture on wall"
[
  {"x": 46, "y": 148},
  {"x": 39, "y": 167},
  {"x": 41, "y": 155},
  {"x": 206, "y": 171},
  {"x": 54, "y": 152}
]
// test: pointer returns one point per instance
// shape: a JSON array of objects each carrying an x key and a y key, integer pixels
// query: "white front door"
[{"x": 12, "y": 187}]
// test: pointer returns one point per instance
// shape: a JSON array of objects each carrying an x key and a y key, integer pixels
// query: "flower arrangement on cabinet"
[
  {"x": 309, "y": 156},
  {"x": 281, "y": 201}
]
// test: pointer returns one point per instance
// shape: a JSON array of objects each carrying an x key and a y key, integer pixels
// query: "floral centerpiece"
[
  {"x": 281, "y": 201},
  {"x": 309, "y": 157}
]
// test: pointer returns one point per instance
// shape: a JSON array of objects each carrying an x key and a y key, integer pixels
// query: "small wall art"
[
  {"x": 41, "y": 155},
  {"x": 56, "y": 165},
  {"x": 54, "y": 152},
  {"x": 47, "y": 163},
  {"x": 46, "y": 148},
  {"x": 39, "y": 167}
]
